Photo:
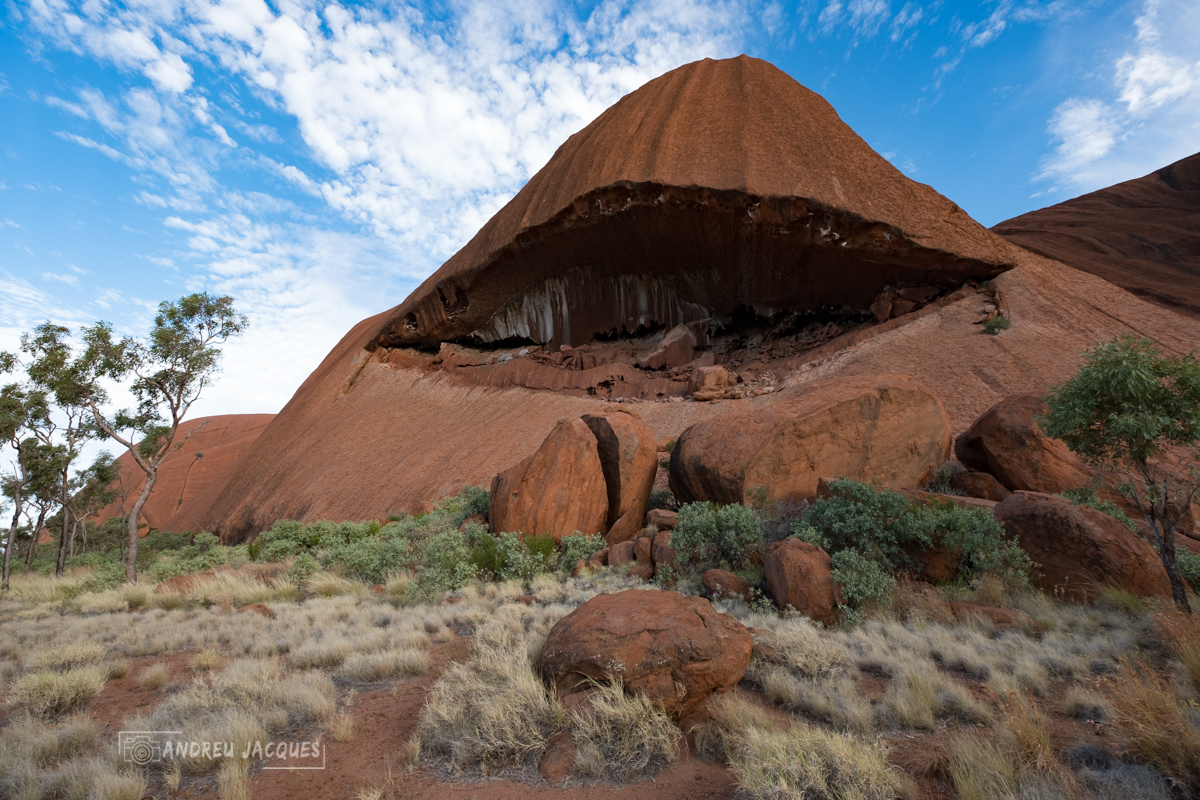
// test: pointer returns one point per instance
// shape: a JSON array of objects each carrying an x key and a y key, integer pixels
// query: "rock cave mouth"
[{"x": 633, "y": 259}]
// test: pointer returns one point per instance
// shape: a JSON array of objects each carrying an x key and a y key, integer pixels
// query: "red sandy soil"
[{"x": 385, "y": 719}]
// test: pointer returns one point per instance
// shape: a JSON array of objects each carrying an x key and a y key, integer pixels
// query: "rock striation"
[
  {"x": 1143, "y": 235},
  {"x": 720, "y": 184}
]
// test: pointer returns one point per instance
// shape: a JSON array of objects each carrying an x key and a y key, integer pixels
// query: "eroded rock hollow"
[{"x": 718, "y": 188}]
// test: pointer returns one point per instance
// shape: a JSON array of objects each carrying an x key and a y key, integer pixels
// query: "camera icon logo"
[{"x": 141, "y": 747}]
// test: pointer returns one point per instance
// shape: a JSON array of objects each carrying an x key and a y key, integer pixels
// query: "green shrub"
[
  {"x": 576, "y": 547},
  {"x": 708, "y": 536},
  {"x": 446, "y": 566},
  {"x": 285, "y": 539},
  {"x": 860, "y": 580},
  {"x": 1087, "y": 497},
  {"x": 873, "y": 534},
  {"x": 662, "y": 498},
  {"x": 996, "y": 324},
  {"x": 370, "y": 559},
  {"x": 302, "y": 566},
  {"x": 509, "y": 556},
  {"x": 1189, "y": 567},
  {"x": 204, "y": 553}
]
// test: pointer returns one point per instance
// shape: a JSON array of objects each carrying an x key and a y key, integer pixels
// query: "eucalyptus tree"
[
  {"x": 167, "y": 372},
  {"x": 69, "y": 379},
  {"x": 21, "y": 413},
  {"x": 1134, "y": 410}
]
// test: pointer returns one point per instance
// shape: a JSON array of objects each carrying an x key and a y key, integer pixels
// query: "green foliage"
[
  {"x": 287, "y": 538},
  {"x": 873, "y": 534},
  {"x": 861, "y": 580},
  {"x": 879, "y": 524},
  {"x": 446, "y": 566},
  {"x": 1087, "y": 497},
  {"x": 996, "y": 324},
  {"x": 661, "y": 498},
  {"x": 1189, "y": 567},
  {"x": 508, "y": 556},
  {"x": 708, "y": 536},
  {"x": 302, "y": 566},
  {"x": 1127, "y": 402},
  {"x": 576, "y": 547},
  {"x": 204, "y": 553},
  {"x": 370, "y": 558}
]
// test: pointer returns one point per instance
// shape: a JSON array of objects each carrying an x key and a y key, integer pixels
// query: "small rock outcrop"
[
  {"x": 676, "y": 650},
  {"x": 1080, "y": 550},
  {"x": 979, "y": 484},
  {"x": 800, "y": 575},
  {"x": 720, "y": 583},
  {"x": 886, "y": 428},
  {"x": 1006, "y": 443},
  {"x": 558, "y": 490},
  {"x": 629, "y": 460}
]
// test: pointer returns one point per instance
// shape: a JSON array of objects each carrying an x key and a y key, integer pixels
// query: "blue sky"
[{"x": 318, "y": 160}]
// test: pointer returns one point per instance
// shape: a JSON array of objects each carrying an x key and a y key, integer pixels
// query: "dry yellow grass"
[
  {"x": 1181, "y": 632},
  {"x": 1149, "y": 714},
  {"x": 622, "y": 737},
  {"x": 53, "y": 694}
]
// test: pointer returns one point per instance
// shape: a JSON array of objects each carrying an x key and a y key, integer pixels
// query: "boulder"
[
  {"x": 886, "y": 428},
  {"x": 1006, "y": 443},
  {"x": 662, "y": 518},
  {"x": 558, "y": 757},
  {"x": 800, "y": 575},
  {"x": 1080, "y": 550},
  {"x": 675, "y": 350},
  {"x": 709, "y": 378},
  {"x": 643, "y": 571},
  {"x": 629, "y": 459},
  {"x": 558, "y": 490},
  {"x": 979, "y": 484},
  {"x": 722, "y": 583},
  {"x": 642, "y": 547},
  {"x": 620, "y": 554},
  {"x": 660, "y": 552},
  {"x": 598, "y": 559},
  {"x": 676, "y": 650}
]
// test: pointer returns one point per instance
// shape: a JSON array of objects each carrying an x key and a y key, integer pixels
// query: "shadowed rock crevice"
[{"x": 632, "y": 258}]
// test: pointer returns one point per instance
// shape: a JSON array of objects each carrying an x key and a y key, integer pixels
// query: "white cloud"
[
  {"x": 415, "y": 133},
  {"x": 1151, "y": 117},
  {"x": 70, "y": 280}
]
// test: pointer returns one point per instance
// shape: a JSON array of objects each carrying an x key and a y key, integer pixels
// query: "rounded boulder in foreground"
[{"x": 676, "y": 650}]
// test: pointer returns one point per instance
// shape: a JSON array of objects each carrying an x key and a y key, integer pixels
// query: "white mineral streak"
[{"x": 543, "y": 312}]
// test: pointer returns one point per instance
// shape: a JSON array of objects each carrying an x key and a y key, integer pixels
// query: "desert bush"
[
  {"x": 872, "y": 534},
  {"x": 53, "y": 694},
  {"x": 154, "y": 677},
  {"x": 996, "y": 324},
  {"x": 371, "y": 558},
  {"x": 369, "y": 667},
  {"x": 622, "y": 736},
  {"x": 578, "y": 546},
  {"x": 1189, "y": 567},
  {"x": 65, "y": 656},
  {"x": 446, "y": 566},
  {"x": 510, "y": 556},
  {"x": 807, "y": 763},
  {"x": 708, "y": 536},
  {"x": 203, "y": 553}
]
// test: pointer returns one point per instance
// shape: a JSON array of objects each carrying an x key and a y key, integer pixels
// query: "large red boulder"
[
  {"x": 800, "y": 575},
  {"x": 885, "y": 428},
  {"x": 1006, "y": 443},
  {"x": 629, "y": 459},
  {"x": 676, "y": 650},
  {"x": 558, "y": 490},
  {"x": 1080, "y": 550}
]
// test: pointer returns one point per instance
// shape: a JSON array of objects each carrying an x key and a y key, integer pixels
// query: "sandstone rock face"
[
  {"x": 620, "y": 554},
  {"x": 722, "y": 583},
  {"x": 1006, "y": 443},
  {"x": 661, "y": 551},
  {"x": 629, "y": 460},
  {"x": 662, "y": 518},
  {"x": 676, "y": 348},
  {"x": 558, "y": 490},
  {"x": 1140, "y": 235},
  {"x": 1080, "y": 550},
  {"x": 800, "y": 575},
  {"x": 709, "y": 378},
  {"x": 209, "y": 449},
  {"x": 888, "y": 429},
  {"x": 677, "y": 650},
  {"x": 697, "y": 170}
]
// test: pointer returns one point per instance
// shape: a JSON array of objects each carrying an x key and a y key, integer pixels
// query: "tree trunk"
[
  {"x": 33, "y": 540},
  {"x": 9, "y": 546},
  {"x": 132, "y": 525},
  {"x": 66, "y": 524}
]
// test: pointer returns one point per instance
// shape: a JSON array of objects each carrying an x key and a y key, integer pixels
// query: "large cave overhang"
[{"x": 634, "y": 257}]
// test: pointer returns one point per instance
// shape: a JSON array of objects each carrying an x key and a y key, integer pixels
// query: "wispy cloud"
[{"x": 1151, "y": 115}]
